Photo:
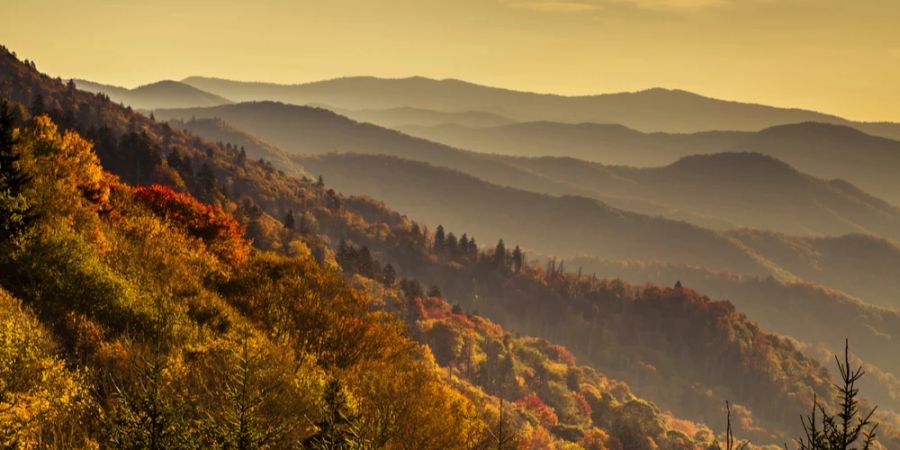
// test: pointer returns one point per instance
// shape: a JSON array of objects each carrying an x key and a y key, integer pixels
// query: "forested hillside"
[
  {"x": 862, "y": 265},
  {"x": 158, "y": 298},
  {"x": 247, "y": 145},
  {"x": 553, "y": 225},
  {"x": 152, "y": 324},
  {"x": 146, "y": 336},
  {"x": 803, "y": 310}
]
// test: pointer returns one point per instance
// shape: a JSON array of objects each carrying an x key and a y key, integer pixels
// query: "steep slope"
[
  {"x": 864, "y": 266},
  {"x": 161, "y": 94},
  {"x": 255, "y": 148},
  {"x": 803, "y": 310},
  {"x": 610, "y": 324},
  {"x": 649, "y": 110},
  {"x": 176, "y": 334}
]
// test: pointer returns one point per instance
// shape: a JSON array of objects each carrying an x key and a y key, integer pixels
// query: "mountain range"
[
  {"x": 751, "y": 189},
  {"x": 824, "y": 150},
  {"x": 649, "y": 110},
  {"x": 822, "y": 145}
]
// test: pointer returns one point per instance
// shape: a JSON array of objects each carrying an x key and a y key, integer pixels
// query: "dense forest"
[{"x": 163, "y": 291}]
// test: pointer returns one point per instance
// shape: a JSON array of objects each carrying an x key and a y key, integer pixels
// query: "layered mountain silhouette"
[
  {"x": 744, "y": 189},
  {"x": 648, "y": 110},
  {"x": 824, "y": 150},
  {"x": 565, "y": 225},
  {"x": 162, "y": 94},
  {"x": 719, "y": 191},
  {"x": 308, "y": 130},
  {"x": 469, "y": 116},
  {"x": 606, "y": 143}
]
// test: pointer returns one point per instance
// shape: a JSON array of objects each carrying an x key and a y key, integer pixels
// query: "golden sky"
[{"x": 837, "y": 56}]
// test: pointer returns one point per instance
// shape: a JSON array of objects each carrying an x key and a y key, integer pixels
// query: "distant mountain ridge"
[
  {"x": 606, "y": 143},
  {"x": 161, "y": 94},
  {"x": 405, "y": 116},
  {"x": 820, "y": 149},
  {"x": 745, "y": 189},
  {"x": 654, "y": 109}
]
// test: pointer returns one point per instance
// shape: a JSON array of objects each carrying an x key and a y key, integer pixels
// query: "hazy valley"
[{"x": 424, "y": 263}]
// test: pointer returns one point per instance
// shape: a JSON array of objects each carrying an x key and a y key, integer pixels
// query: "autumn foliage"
[
  {"x": 217, "y": 229},
  {"x": 534, "y": 405}
]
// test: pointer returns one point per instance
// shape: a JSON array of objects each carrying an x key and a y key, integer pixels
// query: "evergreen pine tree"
[
  {"x": 518, "y": 258},
  {"x": 500, "y": 256},
  {"x": 389, "y": 275},
  {"x": 15, "y": 213},
  {"x": 849, "y": 428},
  {"x": 207, "y": 181},
  {"x": 289, "y": 220},
  {"x": 37, "y": 105},
  {"x": 241, "y": 426},
  {"x": 338, "y": 429},
  {"x": 439, "y": 239}
]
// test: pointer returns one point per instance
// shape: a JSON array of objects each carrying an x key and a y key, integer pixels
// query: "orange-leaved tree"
[{"x": 221, "y": 233}]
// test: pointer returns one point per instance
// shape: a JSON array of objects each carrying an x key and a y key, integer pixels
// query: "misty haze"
[{"x": 495, "y": 224}]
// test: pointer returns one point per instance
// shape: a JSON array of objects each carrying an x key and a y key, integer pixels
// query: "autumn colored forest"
[{"x": 192, "y": 279}]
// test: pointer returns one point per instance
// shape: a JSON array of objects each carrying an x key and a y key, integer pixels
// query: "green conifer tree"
[{"x": 15, "y": 213}]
